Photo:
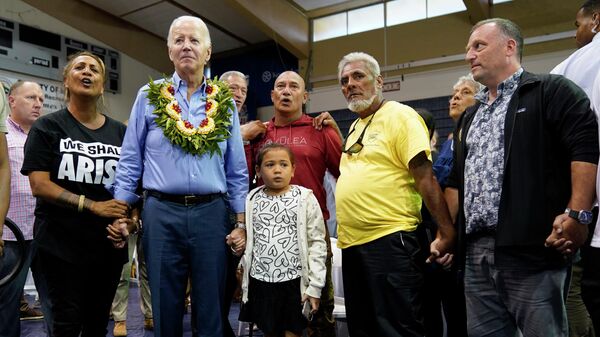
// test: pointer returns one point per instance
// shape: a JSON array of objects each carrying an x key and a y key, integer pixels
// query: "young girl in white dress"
[{"x": 284, "y": 262}]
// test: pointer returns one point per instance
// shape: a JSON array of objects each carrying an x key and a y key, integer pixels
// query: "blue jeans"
[
  {"x": 181, "y": 241},
  {"x": 501, "y": 301},
  {"x": 10, "y": 294}
]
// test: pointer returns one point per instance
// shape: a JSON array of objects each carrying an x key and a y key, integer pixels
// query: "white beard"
[{"x": 360, "y": 105}]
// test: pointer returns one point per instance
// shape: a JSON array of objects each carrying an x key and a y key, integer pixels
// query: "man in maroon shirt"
[{"x": 317, "y": 150}]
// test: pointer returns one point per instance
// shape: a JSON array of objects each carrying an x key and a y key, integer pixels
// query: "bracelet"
[
  {"x": 240, "y": 224},
  {"x": 80, "y": 205}
]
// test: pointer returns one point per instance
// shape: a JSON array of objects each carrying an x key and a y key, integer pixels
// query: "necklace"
[{"x": 195, "y": 140}]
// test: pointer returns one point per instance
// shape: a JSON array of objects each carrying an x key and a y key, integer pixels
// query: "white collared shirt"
[{"x": 583, "y": 68}]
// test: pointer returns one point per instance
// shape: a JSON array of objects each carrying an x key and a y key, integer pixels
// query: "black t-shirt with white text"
[{"x": 81, "y": 161}]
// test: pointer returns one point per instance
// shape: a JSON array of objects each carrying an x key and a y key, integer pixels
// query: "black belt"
[{"x": 186, "y": 200}]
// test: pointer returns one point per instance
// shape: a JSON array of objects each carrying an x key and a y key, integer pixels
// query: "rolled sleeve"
[{"x": 576, "y": 122}]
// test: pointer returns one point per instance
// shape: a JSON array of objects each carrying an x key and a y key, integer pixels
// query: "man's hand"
[
  {"x": 237, "y": 241},
  {"x": 110, "y": 209},
  {"x": 118, "y": 232},
  {"x": 439, "y": 249},
  {"x": 567, "y": 234},
  {"x": 429, "y": 189},
  {"x": 253, "y": 129},
  {"x": 325, "y": 119}
]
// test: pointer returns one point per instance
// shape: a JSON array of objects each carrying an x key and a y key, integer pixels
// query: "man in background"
[
  {"x": 25, "y": 100},
  {"x": 583, "y": 67},
  {"x": 238, "y": 84}
]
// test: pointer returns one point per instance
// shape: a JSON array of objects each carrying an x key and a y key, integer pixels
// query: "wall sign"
[
  {"x": 29, "y": 50},
  {"x": 54, "y": 92}
]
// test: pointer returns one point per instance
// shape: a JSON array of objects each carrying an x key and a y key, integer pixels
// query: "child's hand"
[
  {"x": 237, "y": 241},
  {"x": 314, "y": 303}
]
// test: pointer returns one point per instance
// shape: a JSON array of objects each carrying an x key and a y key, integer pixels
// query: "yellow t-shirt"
[{"x": 375, "y": 193}]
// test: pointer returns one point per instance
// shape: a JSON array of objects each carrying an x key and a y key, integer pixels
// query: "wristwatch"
[
  {"x": 240, "y": 224},
  {"x": 583, "y": 217}
]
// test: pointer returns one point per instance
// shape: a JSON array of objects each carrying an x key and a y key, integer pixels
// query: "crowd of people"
[{"x": 493, "y": 237}]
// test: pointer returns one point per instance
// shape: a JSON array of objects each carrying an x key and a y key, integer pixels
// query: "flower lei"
[{"x": 195, "y": 140}]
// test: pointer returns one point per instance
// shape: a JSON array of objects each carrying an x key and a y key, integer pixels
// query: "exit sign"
[{"x": 391, "y": 86}]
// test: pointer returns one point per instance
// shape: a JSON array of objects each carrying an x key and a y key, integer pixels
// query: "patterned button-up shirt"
[
  {"x": 484, "y": 165},
  {"x": 22, "y": 202}
]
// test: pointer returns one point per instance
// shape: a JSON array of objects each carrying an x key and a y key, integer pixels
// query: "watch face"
[{"x": 585, "y": 217}]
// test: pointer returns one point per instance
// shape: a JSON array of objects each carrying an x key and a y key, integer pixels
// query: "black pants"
[
  {"x": 442, "y": 290},
  {"x": 590, "y": 285},
  {"x": 382, "y": 286},
  {"x": 230, "y": 286},
  {"x": 590, "y": 282},
  {"x": 80, "y": 295}
]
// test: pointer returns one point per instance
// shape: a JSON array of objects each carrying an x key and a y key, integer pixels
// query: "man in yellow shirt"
[{"x": 385, "y": 175}]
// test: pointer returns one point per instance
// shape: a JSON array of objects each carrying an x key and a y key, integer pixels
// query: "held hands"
[
  {"x": 237, "y": 241},
  {"x": 441, "y": 247},
  {"x": 567, "y": 234},
  {"x": 119, "y": 230},
  {"x": 109, "y": 209}
]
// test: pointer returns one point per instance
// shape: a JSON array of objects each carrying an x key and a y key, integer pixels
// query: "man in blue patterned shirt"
[{"x": 524, "y": 153}]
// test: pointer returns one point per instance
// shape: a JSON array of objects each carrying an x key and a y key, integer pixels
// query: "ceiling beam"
[
  {"x": 113, "y": 31},
  {"x": 208, "y": 21},
  {"x": 278, "y": 19},
  {"x": 341, "y": 7},
  {"x": 478, "y": 10}
]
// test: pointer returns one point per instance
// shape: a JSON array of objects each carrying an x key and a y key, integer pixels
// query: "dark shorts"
[{"x": 274, "y": 307}]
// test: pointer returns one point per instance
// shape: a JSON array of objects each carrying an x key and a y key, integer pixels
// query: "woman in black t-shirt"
[{"x": 69, "y": 156}]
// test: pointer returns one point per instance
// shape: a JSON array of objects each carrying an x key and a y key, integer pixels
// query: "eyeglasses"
[{"x": 358, "y": 145}]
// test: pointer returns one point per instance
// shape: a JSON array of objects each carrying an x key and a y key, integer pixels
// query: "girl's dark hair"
[{"x": 271, "y": 147}]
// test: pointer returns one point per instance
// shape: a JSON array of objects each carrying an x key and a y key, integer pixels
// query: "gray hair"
[
  {"x": 230, "y": 73},
  {"x": 196, "y": 20},
  {"x": 468, "y": 80},
  {"x": 370, "y": 63},
  {"x": 508, "y": 28}
]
